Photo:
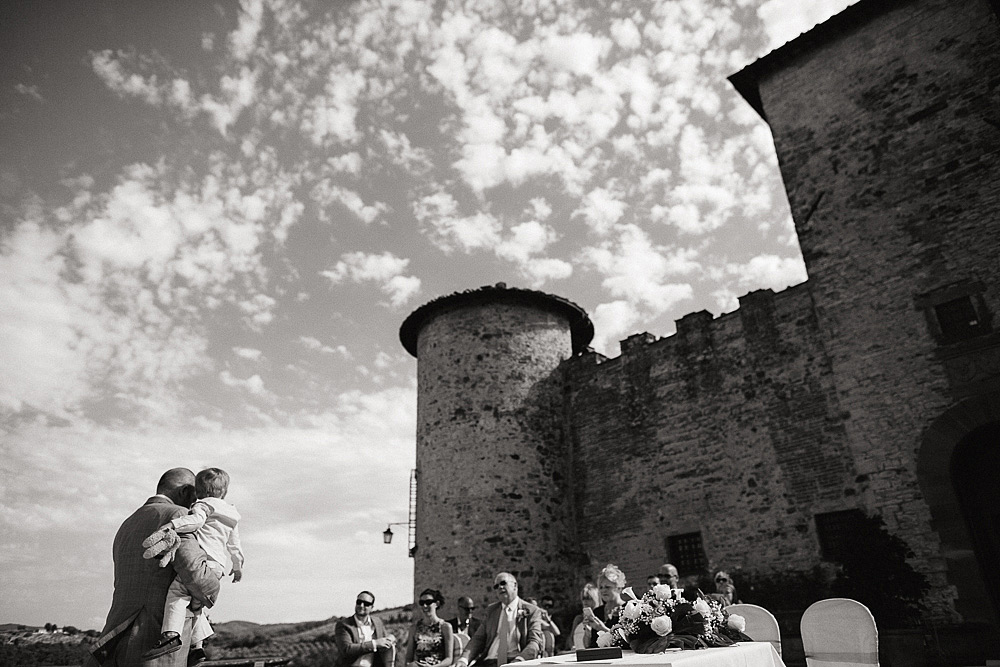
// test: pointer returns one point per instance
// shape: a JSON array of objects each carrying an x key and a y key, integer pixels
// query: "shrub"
[{"x": 874, "y": 572}]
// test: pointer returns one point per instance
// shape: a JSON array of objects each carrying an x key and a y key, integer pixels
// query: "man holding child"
[{"x": 133, "y": 624}]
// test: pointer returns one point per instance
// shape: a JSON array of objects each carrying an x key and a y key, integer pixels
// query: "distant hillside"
[
  {"x": 309, "y": 642},
  {"x": 24, "y": 645}
]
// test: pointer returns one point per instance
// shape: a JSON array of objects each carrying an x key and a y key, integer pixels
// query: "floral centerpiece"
[{"x": 663, "y": 618}]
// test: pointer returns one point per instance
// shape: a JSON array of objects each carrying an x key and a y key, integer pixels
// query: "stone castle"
[{"x": 752, "y": 440}]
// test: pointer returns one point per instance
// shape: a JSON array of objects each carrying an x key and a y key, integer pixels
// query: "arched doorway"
[
  {"x": 975, "y": 475},
  {"x": 955, "y": 454}
]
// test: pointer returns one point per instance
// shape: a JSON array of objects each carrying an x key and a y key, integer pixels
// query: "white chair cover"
[
  {"x": 579, "y": 636},
  {"x": 762, "y": 626},
  {"x": 839, "y": 633},
  {"x": 549, "y": 649}
]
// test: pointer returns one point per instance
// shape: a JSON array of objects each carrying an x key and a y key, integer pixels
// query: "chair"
[
  {"x": 839, "y": 633},
  {"x": 761, "y": 624}
]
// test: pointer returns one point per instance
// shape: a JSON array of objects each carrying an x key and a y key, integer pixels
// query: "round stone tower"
[{"x": 492, "y": 486}]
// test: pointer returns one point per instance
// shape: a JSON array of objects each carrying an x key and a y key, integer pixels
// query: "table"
[{"x": 744, "y": 654}]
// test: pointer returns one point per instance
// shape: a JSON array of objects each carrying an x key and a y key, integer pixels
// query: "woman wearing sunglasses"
[
  {"x": 725, "y": 591},
  {"x": 431, "y": 640}
]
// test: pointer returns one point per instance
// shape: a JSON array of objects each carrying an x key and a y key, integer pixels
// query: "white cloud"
[
  {"x": 540, "y": 270},
  {"x": 637, "y": 270},
  {"x": 253, "y": 384},
  {"x": 626, "y": 34},
  {"x": 359, "y": 266},
  {"x": 39, "y": 328},
  {"x": 247, "y": 353},
  {"x": 784, "y": 20},
  {"x": 601, "y": 210},
  {"x": 402, "y": 153},
  {"x": 330, "y": 116},
  {"x": 577, "y": 53},
  {"x": 29, "y": 91},
  {"x": 438, "y": 213},
  {"x": 259, "y": 310},
  {"x": 539, "y": 208},
  {"x": 385, "y": 268},
  {"x": 613, "y": 321},
  {"x": 526, "y": 239},
  {"x": 401, "y": 289},
  {"x": 315, "y": 344},
  {"x": 348, "y": 162},
  {"x": 768, "y": 271},
  {"x": 325, "y": 193},
  {"x": 525, "y": 242},
  {"x": 243, "y": 40},
  {"x": 109, "y": 69}
]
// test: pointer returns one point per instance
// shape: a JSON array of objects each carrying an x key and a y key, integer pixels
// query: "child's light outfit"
[{"x": 214, "y": 523}]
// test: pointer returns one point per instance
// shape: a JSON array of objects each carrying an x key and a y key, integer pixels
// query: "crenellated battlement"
[{"x": 762, "y": 315}]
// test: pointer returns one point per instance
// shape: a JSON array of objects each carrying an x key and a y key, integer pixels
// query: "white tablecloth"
[{"x": 746, "y": 654}]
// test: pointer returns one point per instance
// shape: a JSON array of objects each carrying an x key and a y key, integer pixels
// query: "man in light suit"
[
  {"x": 133, "y": 624},
  {"x": 512, "y": 631},
  {"x": 361, "y": 639}
]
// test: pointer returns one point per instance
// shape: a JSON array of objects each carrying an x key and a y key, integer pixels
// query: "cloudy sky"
[{"x": 215, "y": 215}]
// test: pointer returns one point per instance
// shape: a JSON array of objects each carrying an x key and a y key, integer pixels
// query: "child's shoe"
[{"x": 168, "y": 643}]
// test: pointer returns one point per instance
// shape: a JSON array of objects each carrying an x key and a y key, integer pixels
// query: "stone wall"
[
  {"x": 887, "y": 131},
  {"x": 731, "y": 427}
]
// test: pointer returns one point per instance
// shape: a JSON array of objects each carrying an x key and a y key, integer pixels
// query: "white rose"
[
  {"x": 737, "y": 622},
  {"x": 662, "y": 625},
  {"x": 604, "y": 639},
  {"x": 662, "y": 591},
  {"x": 702, "y": 607},
  {"x": 632, "y": 610}
]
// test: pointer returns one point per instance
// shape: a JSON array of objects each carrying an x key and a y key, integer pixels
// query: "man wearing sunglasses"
[
  {"x": 361, "y": 639},
  {"x": 465, "y": 623},
  {"x": 512, "y": 631}
]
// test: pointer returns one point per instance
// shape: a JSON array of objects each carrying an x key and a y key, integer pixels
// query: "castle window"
[
  {"x": 958, "y": 319},
  {"x": 687, "y": 553},
  {"x": 833, "y": 528},
  {"x": 956, "y": 312}
]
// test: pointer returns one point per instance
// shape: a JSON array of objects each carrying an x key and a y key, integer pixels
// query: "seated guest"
[
  {"x": 580, "y": 627},
  {"x": 465, "y": 624},
  {"x": 724, "y": 588},
  {"x": 362, "y": 639},
  {"x": 550, "y": 630},
  {"x": 610, "y": 584},
  {"x": 668, "y": 575},
  {"x": 512, "y": 631},
  {"x": 430, "y": 643}
]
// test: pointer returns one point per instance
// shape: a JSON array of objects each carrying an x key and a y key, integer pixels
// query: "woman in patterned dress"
[{"x": 431, "y": 641}]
